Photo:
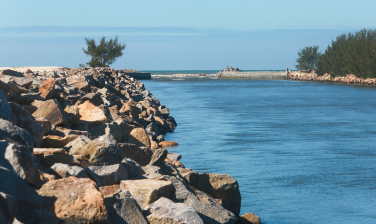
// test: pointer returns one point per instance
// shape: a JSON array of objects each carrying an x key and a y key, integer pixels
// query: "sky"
[{"x": 177, "y": 35}]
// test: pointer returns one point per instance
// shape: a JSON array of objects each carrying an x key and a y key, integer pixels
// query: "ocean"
[{"x": 302, "y": 152}]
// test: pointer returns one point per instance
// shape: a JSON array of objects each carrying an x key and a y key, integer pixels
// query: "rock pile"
[
  {"x": 87, "y": 146},
  {"x": 312, "y": 76}
]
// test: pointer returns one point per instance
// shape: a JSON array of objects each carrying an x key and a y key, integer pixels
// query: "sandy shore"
[{"x": 32, "y": 68}]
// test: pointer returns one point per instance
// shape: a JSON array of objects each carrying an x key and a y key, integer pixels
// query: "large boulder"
[
  {"x": 121, "y": 207},
  {"x": 79, "y": 82},
  {"x": 220, "y": 186},
  {"x": 141, "y": 154},
  {"x": 209, "y": 209},
  {"x": 74, "y": 200},
  {"x": 134, "y": 169},
  {"x": 26, "y": 121},
  {"x": 159, "y": 155},
  {"x": 166, "y": 211},
  {"x": 110, "y": 174},
  {"x": 5, "y": 110},
  {"x": 52, "y": 111},
  {"x": 101, "y": 151},
  {"x": 108, "y": 128},
  {"x": 139, "y": 137},
  {"x": 28, "y": 202},
  {"x": 19, "y": 159},
  {"x": 8, "y": 208},
  {"x": 72, "y": 114},
  {"x": 15, "y": 134},
  {"x": 92, "y": 114},
  {"x": 147, "y": 191}
]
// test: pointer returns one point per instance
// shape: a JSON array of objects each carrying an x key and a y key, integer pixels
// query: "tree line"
[{"x": 353, "y": 53}]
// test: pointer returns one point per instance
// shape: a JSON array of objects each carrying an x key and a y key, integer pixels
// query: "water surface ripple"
[{"x": 301, "y": 152}]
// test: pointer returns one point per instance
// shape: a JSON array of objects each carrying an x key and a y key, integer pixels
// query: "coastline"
[
  {"x": 76, "y": 109},
  {"x": 326, "y": 78}
]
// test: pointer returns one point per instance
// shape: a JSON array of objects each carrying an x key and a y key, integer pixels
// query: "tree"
[
  {"x": 308, "y": 58},
  {"x": 104, "y": 54}
]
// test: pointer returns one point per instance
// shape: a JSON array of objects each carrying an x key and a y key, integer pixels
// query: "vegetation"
[
  {"x": 308, "y": 58},
  {"x": 348, "y": 54},
  {"x": 104, "y": 54},
  {"x": 351, "y": 54}
]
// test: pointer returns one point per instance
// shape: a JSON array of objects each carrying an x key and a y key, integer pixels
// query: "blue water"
[{"x": 301, "y": 152}]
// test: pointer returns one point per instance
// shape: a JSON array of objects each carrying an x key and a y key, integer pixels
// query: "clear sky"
[{"x": 176, "y": 34}]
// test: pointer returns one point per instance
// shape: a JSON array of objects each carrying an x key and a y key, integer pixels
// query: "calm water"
[{"x": 301, "y": 152}]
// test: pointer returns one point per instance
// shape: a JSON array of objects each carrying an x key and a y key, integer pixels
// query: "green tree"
[
  {"x": 308, "y": 58},
  {"x": 104, "y": 54}
]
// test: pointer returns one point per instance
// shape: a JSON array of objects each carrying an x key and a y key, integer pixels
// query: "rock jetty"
[
  {"x": 326, "y": 78},
  {"x": 87, "y": 146}
]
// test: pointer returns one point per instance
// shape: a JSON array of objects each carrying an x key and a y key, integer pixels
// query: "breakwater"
[
  {"x": 257, "y": 75},
  {"x": 87, "y": 145},
  {"x": 326, "y": 78}
]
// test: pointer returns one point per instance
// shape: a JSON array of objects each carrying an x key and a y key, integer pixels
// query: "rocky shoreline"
[
  {"x": 87, "y": 146},
  {"x": 326, "y": 78}
]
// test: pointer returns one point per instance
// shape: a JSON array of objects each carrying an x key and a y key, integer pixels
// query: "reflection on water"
[{"x": 301, "y": 152}]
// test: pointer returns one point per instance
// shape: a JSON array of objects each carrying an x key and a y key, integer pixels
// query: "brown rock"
[
  {"x": 92, "y": 114},
  {"x": 47, "y": 88},
  {"x": 78, "y": 81},
  {"x": 52, "y": 111},
  {"x": 147, "y": 191},
  {"x": 54, "y": 141},
  {"x": 50, "y": 156},
  {"x": 139, "y": 137},
  {"x": 141, "y": 154},
  {"x": 168, "y": 144},
  {"x": 74, "y": 200},
  {"x": 249, "y": 218},
  {"x": 159, "y": 155}
]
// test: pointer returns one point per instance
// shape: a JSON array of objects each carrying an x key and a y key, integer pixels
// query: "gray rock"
[
  {"x": 219, "y": 186},
  {"x": 134, "y": 169},
  {"x": 152, "y": 172},
  {"x": 108, "y": 128},
  {"x": 49, "y": 156},
  {"x": 65, "y": 170},
  {"x": 208, "y": 209},
  {"x": 166, "y": 211},
  {"x": 19, "y": 159},
  {"x": 26, "y": 98},
  {"x": 123, "y": 209},
  {"x": 101, "y": 151},
  {"x": 141, "y": 154},
  {"x": 110, "y": 174},
  {"x": 15, "y": 134},
  {"x": 173, "y": 156},
  {"x": 5, "y": 110},
  {"x": 29, "y": 202},
  {"x": 26, "y": 121},
  {"x": 94, "y": 98},
  {"x": 8, "y": 208},
  {"x": 159, "y": 155},
  {"x": 165, "y": 112}
]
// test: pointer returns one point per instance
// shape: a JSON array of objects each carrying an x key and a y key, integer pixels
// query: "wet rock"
[
  {"x": 167, "y": 144},
  {"x": 249, "y": 218},
  {"x": 52, "y": 111},
  {"x": 121, "y": 207},
  {"x": 148, "y": 191},
  {"x": 19, "y": 159},
  {"x": 101, "y": 151},
  {"x": 139, "y": 137},
  {"x": 166, "y": 211},
  {"x": 110, "y": 174},
  {"x": 47, "y": 88},
  {"x": 74, "y": 200},
  {"x": 15, "y": 134},
  {"x": 142, "y": 155}
]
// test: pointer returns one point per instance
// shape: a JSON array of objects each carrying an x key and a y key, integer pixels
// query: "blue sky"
[{"x": 170, "y": 35}]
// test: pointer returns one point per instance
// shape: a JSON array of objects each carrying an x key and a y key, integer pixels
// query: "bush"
[
  {"x": 105, "y": 53},
  {"x": 308, "y": 58},
  {"x": 350, "y": 54}
]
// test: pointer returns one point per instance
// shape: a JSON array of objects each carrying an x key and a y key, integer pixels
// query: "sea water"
[{"x": 302, "y": 152}]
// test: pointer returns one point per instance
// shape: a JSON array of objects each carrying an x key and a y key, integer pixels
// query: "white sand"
[{"x": 32, "y": 68}]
